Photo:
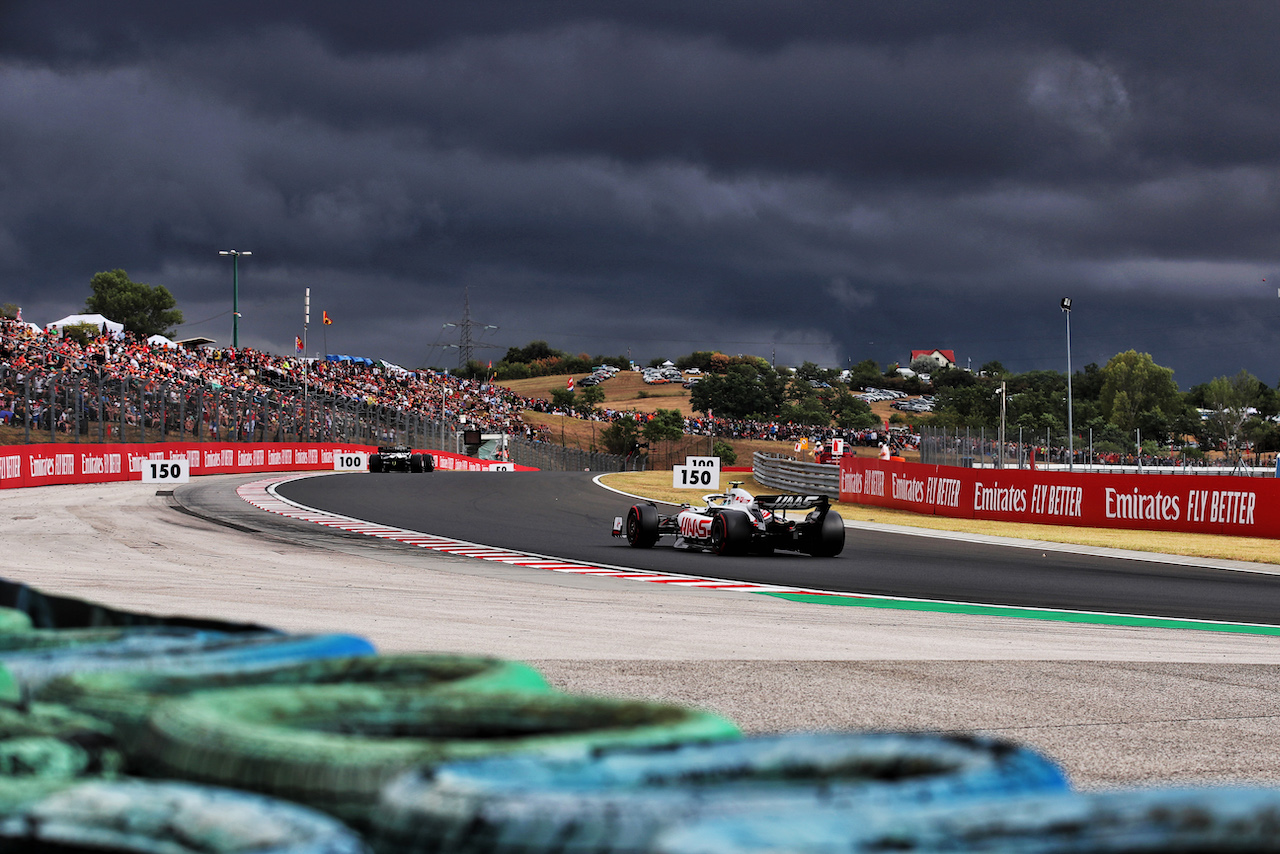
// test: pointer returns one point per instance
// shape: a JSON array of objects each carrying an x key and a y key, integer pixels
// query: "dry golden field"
[{"x": 628, "y": 391}]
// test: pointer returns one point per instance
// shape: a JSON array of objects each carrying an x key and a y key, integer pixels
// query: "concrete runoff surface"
[{"x": 1115, "y": 705}]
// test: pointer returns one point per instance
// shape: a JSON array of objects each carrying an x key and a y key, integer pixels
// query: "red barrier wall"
[
  {"x": 48, "y": 465},
  {"x": 1240, "y": 506}
]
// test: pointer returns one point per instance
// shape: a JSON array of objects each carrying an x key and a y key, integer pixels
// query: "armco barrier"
[
  {"x": 49, "y": 465},
  {"x": 1239, "y": 506},
  {"x": 794, "y": 476}
]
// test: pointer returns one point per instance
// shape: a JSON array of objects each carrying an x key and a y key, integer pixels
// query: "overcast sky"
[{"x": 823, "y": 181}]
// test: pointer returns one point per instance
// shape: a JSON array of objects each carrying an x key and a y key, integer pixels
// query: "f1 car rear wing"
[{"x": 791, "y": 502}]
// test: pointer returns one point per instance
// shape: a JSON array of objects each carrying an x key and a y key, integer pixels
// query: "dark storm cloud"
[{"x": 763, "y": 177}]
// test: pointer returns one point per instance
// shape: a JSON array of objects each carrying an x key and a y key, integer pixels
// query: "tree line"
[{"x": 1129, "y": 397}]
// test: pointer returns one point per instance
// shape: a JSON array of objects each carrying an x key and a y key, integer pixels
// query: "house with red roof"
[{"x": 941, "y": 358}]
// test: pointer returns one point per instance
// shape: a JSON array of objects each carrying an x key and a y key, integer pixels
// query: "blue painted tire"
[
  {"x": 126, "y": 698},
  {"x": 334, "y": 747},
  {"x": 59, "y": 653},
  {"x": 34, "y": 658},
  {"x": 1132, "y": 822},
  {"x": 174, "y": 818},
  {"x": 619, "y": 800}
]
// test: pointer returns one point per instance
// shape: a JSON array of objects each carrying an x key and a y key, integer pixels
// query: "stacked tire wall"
[{"x": 136, "y": 733}]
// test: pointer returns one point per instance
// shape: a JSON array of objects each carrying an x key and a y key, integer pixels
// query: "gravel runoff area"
[{"x": 1116, "y": 706}]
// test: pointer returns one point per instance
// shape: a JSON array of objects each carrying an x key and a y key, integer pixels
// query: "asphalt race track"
[{"x": 565, "y": 515}]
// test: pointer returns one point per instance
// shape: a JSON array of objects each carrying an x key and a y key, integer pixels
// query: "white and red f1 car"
[{"x": 737, "y": 523}]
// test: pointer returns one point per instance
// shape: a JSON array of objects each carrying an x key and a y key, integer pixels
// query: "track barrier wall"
[
  {"x": 49, "y": 465},
  {"x": 1238, "y": 506}
]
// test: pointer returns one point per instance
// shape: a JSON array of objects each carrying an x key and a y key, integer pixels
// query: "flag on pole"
[
  {"x": 298, "y": 343},
  {"x": 327, "y": 320},
  {"x": 570, "y": 386}
]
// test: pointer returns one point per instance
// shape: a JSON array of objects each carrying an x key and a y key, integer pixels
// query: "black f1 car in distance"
[
  {"x": 737, "y": 523},
  {"x": 400, "y": 458}
]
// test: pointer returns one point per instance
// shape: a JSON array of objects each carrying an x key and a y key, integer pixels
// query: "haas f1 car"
[
  {"x": 737, "y": 523},
  {"x": 400, "y": 458}
]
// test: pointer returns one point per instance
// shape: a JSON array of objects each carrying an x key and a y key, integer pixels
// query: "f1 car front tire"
[
  {"x": 642, "y": 526},
  {"x": 730, "y": 534}
]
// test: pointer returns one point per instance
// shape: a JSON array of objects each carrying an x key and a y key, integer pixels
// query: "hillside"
[{"x": 628, "y": 391}]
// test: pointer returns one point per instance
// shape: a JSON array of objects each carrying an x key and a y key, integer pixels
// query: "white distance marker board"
[
  {"x": 166, "y": 471},
  {"x": 350, "y": 461},
  {"x": 696, "y": 473}
]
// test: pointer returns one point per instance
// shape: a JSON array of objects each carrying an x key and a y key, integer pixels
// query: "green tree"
[
  {"x": 81, "y": 333},
  {"x": 9, "y": 311},
  {"x": 1133, "y": 384},
  {"x": 1230, "y": 398},
  {"x": 563, "y": 398},
  {"x": 591, "y": 397},
  {"x": 722, "y": 449},
  {"x": 865, "y": 373},
  {"x": 143, "y": 309},
  {"x": 849, "y": 412},
  {"x": 665, "y": 425},
  {"x": 621, "y": 436},
  {"x": 741, "y": 392}
]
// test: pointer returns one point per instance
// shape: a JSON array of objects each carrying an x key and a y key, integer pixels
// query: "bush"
[{"x": 722, "y": 449}]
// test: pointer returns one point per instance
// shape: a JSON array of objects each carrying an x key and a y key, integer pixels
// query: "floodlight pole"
[
  {"x": 1071, "y": 444},
  {"x": 235, "y": 292}
]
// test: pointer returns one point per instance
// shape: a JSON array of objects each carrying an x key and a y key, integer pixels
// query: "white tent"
[
  {"x": 160, "y": 341},
  {"x": 94, "y": 319}
]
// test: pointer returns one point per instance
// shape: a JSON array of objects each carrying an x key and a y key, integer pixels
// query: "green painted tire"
[
  {"x": 126, "y": 698},
  {"x": 13, "y": 621},
  {"x": 10, "y": 690},
  {"x": 44, "y": 740},
  {"x": 334, "y": 747},
  {"x": 146, "y": 817}
]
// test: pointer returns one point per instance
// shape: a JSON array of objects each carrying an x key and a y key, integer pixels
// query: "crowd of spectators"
[{"x": 119, "y": 381}]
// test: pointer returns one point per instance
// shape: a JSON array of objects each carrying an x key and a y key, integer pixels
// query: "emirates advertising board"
[
  {"x": 1206, "y": 504},
  {"x": 50, "y": 465}
]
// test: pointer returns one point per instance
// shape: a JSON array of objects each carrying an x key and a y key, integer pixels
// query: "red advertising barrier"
[
  {"x": 48, "y": 465},
  {"x": 1240, "y": 506}
]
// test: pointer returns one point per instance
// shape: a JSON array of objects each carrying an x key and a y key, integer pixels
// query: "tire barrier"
[
  {"x": 1132, "y": 822},
  {"x": 169, "y": 818},
  {"x": 617, "y": 801},
  {"x": 333, "y": 747},
  {"x": 10, "y": 690},
  {"x": 46, "y": 611},
  {"x": 33, "y": 658},
  {"x": 126, "y": 698},
  {"x": 12, "y": 620},
  {"x": 50, "y": 741}
]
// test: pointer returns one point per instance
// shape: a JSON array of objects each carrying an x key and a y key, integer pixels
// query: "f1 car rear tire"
[
  {"x": 642, "y": 526},
  {"x": 375, "y": 463},
  {"x": 730, "y": 534},
  {"x": 829, "y": 538},
  {"x": 415, "y": 464}
]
